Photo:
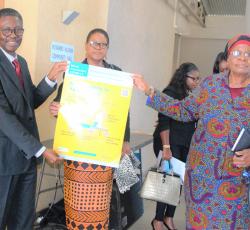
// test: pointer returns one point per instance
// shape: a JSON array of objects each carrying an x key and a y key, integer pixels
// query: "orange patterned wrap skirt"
[{"x": 87, "y": 194}]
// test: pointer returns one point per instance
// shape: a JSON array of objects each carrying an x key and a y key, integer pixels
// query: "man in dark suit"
[{"x": 19, "y": 139}]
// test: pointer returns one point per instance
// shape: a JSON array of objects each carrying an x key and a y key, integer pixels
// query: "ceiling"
[{"x": 225, "y": 7}]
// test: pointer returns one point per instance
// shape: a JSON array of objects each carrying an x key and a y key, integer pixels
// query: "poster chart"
[{"x": 93, "y": 113}]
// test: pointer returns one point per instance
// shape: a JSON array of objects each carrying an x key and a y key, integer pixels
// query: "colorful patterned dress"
[
  {"x": 87, "y": 194},
  {"x": 215, "y": 196}
]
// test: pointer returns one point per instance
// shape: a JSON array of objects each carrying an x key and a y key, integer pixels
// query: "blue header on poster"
[{"x": 78, "y": 69}]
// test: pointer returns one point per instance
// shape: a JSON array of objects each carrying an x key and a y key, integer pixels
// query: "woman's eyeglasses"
[
  {"x": 195, "y": 79},
  {"x": 238, "y": 53},
  {"x": 98, "y": 45}
]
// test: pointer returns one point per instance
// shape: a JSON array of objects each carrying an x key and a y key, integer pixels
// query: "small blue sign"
[
  {"x": 78, "y": 69},
  {"x": 61, "y": 52}
]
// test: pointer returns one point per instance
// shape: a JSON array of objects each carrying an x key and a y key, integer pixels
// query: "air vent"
[{"x": 225, "y": 7}]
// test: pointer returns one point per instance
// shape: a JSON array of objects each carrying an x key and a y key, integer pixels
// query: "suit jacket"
[{"x": 19, "y": 138}]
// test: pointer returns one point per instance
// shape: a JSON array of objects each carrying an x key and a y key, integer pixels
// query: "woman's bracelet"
[
  {"x": 150, "y": 91},
  {"x": 166, "y": 146}
]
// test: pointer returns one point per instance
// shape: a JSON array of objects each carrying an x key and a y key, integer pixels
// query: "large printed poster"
[{"x": 92, "y": 117}]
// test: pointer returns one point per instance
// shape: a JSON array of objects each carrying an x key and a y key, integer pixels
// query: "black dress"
[{"x": 180, "y": 135}]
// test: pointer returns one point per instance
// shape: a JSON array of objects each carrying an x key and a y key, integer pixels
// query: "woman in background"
[
  {"x": 176, "y": 133},
  {"x": 220, "y": 63}
]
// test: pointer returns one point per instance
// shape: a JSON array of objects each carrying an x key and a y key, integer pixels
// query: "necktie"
[{"x": 18, "y": 71}]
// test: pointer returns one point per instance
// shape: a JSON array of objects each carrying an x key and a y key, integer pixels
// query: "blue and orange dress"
[{"x": 216, "y": 197}]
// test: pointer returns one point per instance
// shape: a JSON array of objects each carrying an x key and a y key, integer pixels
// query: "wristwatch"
[{"x": 166, "y": 146}]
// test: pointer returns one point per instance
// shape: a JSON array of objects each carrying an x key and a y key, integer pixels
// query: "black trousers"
[
  {"x": 166, "y": 210},
  {"x": 17, "y": 200}
]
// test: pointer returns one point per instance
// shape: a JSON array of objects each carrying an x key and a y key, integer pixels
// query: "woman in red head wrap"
[{"x": 216, "y": 197}]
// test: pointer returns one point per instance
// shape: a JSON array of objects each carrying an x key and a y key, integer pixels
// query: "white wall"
[
  {"x": 202, "y": 52},
  {"x": 141, "y": 33},
  {"x": 203, "y": 44},
  {"x": 220, "y": 27},
  {"x": 142, "y": 38}
]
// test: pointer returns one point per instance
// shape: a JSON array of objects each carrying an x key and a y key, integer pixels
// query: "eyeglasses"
[
  {"x": 238, "y": 53},
  {"x": 98, "y": 45},
  {"x": 8, "y": 31},
  {"x": 196, "y": 79}
]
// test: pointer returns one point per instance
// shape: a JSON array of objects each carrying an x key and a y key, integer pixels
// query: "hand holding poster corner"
[{"x": 92, "y": 118}]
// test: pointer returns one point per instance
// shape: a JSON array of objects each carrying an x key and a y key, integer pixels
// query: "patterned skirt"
[
  {"x": 213, "y": 203},
  {"x": 87, "y": 194}
]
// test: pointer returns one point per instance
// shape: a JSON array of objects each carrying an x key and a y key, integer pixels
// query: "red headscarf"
[{"x": 237, "y": 40}]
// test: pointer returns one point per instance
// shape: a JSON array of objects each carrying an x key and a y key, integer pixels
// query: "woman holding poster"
[
  {"x": 88, "y": 187},
  {"x": 216, "y": 191}
]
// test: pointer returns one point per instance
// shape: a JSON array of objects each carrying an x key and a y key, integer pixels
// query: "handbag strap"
[{"x": 166, "y": 167}]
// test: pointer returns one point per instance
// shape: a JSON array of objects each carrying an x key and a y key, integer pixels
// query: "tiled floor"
[{"x": 149, "y": 211}]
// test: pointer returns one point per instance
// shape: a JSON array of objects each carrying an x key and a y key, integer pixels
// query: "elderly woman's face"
[{"x": 239, "y": 60}]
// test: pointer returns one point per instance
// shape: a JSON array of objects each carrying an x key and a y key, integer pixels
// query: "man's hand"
[
  {"x": 52, "y": 157},
  {"x": 126, "y": 148},
  {"x": 54, "y": 108},
  {"x": 57, "y": 69},
  {"x": 242, "y": 158}
]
